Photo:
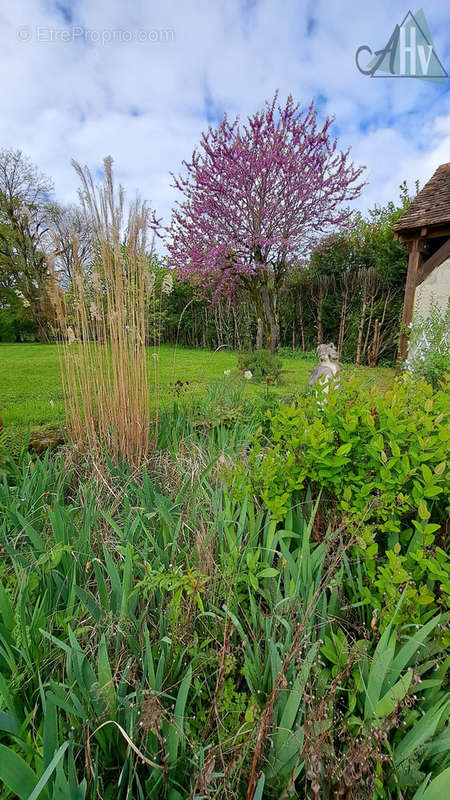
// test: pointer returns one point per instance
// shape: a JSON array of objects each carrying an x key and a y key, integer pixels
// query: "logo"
[{"x": 409, "y": 53}]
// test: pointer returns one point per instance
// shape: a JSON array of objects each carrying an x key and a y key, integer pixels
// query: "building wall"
[{"x": 436, "y": 287}]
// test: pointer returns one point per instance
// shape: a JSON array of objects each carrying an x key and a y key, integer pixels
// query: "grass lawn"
[{"x": 30, "y": 385}]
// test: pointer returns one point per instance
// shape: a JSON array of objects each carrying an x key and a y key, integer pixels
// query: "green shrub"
[
  {"x": 15, "y": 325},
  {"x": 379, "y": 463},
  {"x": 288, "y": 352},
  {"x": 261, "y": 364}
]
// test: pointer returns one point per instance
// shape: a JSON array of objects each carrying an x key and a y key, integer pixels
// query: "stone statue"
[{"x": 327, "y": 370}]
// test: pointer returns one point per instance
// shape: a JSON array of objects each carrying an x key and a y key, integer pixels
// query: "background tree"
[
  {"x": 322, "y": 295},
  {"x": 369, "y": 267},
  {"x": 25, "y": 196},
  {"x": 72, "y": 241},
  {"x": 336, "y": 259},
  {"x": 320, "y": 286},
  {"x": 16, "y": 321},
  {"x": 255, "y": 199}
]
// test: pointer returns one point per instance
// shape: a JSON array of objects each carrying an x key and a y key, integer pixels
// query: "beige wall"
[{"x": 436, "y": 287}]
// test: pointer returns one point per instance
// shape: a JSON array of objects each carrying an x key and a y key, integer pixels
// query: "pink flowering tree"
[{"x": 255, "y": 199}]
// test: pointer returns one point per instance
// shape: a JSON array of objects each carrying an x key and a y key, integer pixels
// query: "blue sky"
[{"x": 141, "y": 80}]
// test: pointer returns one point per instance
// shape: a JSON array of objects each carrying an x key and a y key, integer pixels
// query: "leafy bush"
[
  {"x": 15, "y": 324},
  {"x": 261, "y": 364},
  {"x": 429, "y": 346},
  {"x": 288, "y": 352},
  {"x": 380, "y": 464}
]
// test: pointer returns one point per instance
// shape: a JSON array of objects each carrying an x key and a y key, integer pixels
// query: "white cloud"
[{"x": 144, "y": 103}]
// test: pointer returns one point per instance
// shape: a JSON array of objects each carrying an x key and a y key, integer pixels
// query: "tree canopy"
[
  {"x": 255, "y": 199},
  {"x": 25, "y": 196}
]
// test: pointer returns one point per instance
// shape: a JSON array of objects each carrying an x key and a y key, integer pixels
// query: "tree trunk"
[
  {"x": 218, "y": 327},
  {"x": 260, "y": 334},
  {"x": 364, "y": 276},
  {"x": 369, "y": 325},
  {"x": 205, "y": 328},
  {"x": 319, "y": 321},
  {"x": 237, "y": 338},
  {"x": 300, "y": 319},
  {"x": 267, "y": 305},
  {"x": 42, "y": 330},
  {"x": 340, "y": 344},
  {"x": 374, "y": 350},
  {"x": 362, "y": 320},
  {"x": 274, "y": 337},
  {"x": 372, "y": 355},
  {"x": 271, "y": 319},
  {"x": 319, "y": 288}
]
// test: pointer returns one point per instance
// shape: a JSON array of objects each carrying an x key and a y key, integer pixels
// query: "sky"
[{"x": 141, "y": 80}]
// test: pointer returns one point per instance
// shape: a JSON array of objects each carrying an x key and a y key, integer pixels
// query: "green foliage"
[
  {"x": 429, "y": 346},
  {"x": 288, "y": 352},
  {"x": 16, "y": 323},
  {"x": 380, "y": 462},
  {"x": 25, "y": 210},
  {"x": 343, "y": 261},
  {"x": 261, "y": 364},
  {"x": 157, "y": 628},
  {"x": 379, "y": 692}
]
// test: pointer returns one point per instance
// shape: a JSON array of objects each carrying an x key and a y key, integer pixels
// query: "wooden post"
[{"x": 414, "y": 262}]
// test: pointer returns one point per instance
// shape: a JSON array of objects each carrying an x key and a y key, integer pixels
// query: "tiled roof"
[{"x": 432, "y": 205}]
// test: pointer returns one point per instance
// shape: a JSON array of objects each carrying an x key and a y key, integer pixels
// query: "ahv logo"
[{"x": 409, "y": 53}]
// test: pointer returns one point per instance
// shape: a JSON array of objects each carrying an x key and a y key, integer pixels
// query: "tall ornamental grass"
[{"x": 102, "y": 324}]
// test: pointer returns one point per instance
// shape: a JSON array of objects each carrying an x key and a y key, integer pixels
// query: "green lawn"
[{"x": 30, "y": 385}]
